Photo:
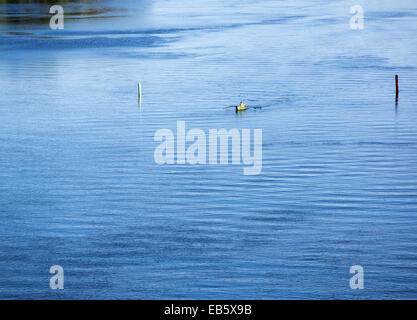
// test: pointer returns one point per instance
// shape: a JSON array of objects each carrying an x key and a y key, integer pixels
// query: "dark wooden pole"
[{"x": 397, "y": 91}]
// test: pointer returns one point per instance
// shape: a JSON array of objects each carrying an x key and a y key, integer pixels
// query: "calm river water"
[{"x": 79, "y": 186}]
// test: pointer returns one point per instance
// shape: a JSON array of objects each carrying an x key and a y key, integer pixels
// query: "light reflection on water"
[{"x": 79, "y": 186}]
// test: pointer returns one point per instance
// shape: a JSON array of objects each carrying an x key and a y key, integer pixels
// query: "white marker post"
[{"x": 140, "y": 93}]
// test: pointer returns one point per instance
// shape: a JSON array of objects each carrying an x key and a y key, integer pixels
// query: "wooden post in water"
[{"x": 397, "y": 91}]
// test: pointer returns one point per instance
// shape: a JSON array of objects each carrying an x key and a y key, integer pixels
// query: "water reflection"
[{"x": 15, "y": 12}]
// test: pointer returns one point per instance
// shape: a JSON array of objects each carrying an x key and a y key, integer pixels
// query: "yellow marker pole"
[{"x": 140, "y": 93}]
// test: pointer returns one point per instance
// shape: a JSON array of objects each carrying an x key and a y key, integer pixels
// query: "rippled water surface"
[{"x": 79, "y": 186}]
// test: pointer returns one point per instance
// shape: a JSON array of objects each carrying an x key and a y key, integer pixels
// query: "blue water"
[{"x": 79, "y": 186}]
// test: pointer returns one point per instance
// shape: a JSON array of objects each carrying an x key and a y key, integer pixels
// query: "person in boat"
[{"x": 241, "y": 106}]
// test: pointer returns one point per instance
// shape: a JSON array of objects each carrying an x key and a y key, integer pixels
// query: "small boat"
[{"x": 241, "y": 107}]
